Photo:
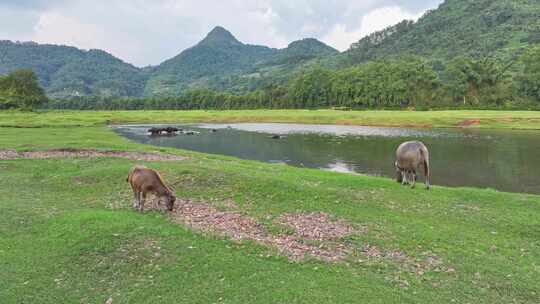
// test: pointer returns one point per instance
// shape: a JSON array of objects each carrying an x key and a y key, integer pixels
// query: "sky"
[{"x": 147, "y": 32}]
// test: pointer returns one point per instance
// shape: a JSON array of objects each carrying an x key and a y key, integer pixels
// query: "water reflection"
[{"x": 505, "y": 160}]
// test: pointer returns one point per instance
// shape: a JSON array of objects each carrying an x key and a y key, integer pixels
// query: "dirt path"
[
  {"x": 81, "y": 153},
  {"x": 469, "y": 123}
]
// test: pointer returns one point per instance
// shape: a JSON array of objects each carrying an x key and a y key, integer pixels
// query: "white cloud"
[
  {"x": 56, "y": 28},
  {"x": 341, "y": 36},
  {"x": 14, "y": 24},
  {"x": 383, "y": 17}
]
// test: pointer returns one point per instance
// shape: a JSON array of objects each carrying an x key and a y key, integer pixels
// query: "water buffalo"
[
  {"x": 154, "y": 131},
  {"x": 409, "y": 157},
  {"x": 167, "y": 130},
  {"x": 143, "y": 181},
  {"x": 171, "y": 130}
]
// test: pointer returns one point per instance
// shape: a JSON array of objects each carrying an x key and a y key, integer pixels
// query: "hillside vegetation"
[
  {"x": 219, "y": 62},
  {"x": 480, "y": 28},
  {"x": 67, "y": 71},
  {"x": 222, "y": 62},
  {"x": 406, "y": 83}
]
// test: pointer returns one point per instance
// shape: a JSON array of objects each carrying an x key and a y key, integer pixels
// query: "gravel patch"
[
  {"x": 315, "y": 235},
  {"x": 203, "y": 216},
  {"x": 317, "y": 226},
  {"x": 77, "y": 153}
]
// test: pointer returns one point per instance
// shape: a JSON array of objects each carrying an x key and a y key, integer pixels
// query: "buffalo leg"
[
  {"x": 405, "y": 178},
  {"x": 135, "y": 199},
  {"x": 413, "y": 178},
  {"x": 142, "y": 201},
  {"x": 428, "y": 177}
]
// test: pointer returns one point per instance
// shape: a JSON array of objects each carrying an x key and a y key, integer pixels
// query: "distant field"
[
  {"x": 69, "y": 235},
  {"x": 436, "y": 119}
]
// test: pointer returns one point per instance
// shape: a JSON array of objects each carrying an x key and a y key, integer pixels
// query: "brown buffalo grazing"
[
  {"x": 409, "y": 157},
  {"x": 143, "y": 181}
]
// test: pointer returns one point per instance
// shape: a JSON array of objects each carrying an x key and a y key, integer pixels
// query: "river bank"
[{"x": 423, "y": 119}]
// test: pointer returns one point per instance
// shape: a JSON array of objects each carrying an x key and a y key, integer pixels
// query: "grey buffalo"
[{"x": 410, "y": 156}]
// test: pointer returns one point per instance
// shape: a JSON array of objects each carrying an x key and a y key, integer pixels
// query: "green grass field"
[
  {"x": 440, "y": 119},
  {"x": 68, "y": 233}
]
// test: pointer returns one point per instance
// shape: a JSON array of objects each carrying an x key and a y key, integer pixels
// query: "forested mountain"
[
  {"x": 479, "y": 28},
  {"x": 222, "y": 62},
  {"x": 218, "y": 62},
  {"x": 219, "y": 54},
  {"x": 67, "y": 71}
]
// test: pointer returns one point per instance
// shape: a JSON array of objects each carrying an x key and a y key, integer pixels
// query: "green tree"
[
  {"x": 311, "y": 89},
  {"x": 529, "y": 78},
  {"x": 21, "y": 89},
  {"x": 476, "y": 82}
]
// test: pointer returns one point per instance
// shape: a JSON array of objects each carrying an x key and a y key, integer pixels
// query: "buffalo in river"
[
  {"x": 155, "y": 131},
  {"x": 171, "y": 130},
  {"x": 167, "y": 130},
  {"x": 410, "y": 156}
]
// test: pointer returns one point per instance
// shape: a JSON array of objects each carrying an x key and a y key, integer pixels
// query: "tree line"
[{"x": 392, "y": 84}]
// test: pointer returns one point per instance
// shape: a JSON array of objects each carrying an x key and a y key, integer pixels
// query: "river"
[{"x": 507, "y": 160}]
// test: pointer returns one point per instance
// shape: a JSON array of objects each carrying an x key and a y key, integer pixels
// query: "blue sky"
[{"x": 145, "y": 32}]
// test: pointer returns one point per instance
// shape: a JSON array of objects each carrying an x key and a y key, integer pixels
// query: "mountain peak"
[
  {"x": 309, "y": 42},
  {"x": 311, "y": 47},
  {"x": 219, "y": 35}
]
